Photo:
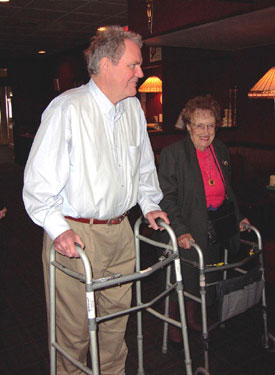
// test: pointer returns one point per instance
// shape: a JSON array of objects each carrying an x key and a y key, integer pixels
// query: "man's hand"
[
  {"x": 65, "y": 243},
  {"x": 184, "y": 240},
  {"x": 243, "y": 224},
  {"x": 153, "y": 215}
]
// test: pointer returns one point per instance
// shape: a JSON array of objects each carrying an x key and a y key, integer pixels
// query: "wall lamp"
[
  {"x": 265, "y": 87},
  {"x": 151, "y": 84}
]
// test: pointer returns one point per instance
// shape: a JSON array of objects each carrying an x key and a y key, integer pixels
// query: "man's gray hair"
[{"x": 108, "y": 43}]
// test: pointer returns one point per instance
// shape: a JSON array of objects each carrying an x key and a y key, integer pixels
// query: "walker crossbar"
[
  {"x": 116, "y": 279},
  {"x": 142, "y": 306},
  {"x": 74, "y": 361},
  {"x": 222, "y": 267}
]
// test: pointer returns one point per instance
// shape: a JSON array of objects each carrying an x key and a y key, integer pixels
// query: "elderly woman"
[{"x": 194, "y": 176}]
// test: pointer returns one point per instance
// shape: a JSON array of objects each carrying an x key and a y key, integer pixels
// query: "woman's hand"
[
  {"x": 184, "y": 240},
  {"x": 3, "y": 212},
  {"x": 243, "y": 224}
]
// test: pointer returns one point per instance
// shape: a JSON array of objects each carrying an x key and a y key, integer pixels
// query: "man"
[{"x": 91, "y": 161}]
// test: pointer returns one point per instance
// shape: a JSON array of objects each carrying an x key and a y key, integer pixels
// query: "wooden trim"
[{"x": 250, "y": 145}]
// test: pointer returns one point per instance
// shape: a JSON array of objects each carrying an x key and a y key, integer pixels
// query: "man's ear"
[{"x": 104, "y": 64}]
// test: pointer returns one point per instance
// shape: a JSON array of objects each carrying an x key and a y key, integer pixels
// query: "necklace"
[{"x": 210, "y": 180}]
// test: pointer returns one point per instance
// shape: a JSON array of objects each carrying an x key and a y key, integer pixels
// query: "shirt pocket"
[{"x": 134, "y": 159}]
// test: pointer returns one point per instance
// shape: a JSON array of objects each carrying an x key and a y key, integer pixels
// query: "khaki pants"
[{"x": 110, "y": 249}]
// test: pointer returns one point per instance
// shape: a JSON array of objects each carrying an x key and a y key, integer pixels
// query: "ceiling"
[
  {"x": 27, "y": 26},
  {"x": 244, "y": 31}
]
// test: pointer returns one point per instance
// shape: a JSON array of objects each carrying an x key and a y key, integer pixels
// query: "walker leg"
[
  {"x": 266, "y": 340},
  {"x": 166, "y": 312},
  {"x": 140, "y": 370},
  {"x": 205, "y": 335},
  {"x": 188, "y": 362},
  {"x": 52, "y": 316},
  {"x": 92, "y": 324}
]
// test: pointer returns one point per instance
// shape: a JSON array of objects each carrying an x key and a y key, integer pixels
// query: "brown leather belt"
[{"x": 115, "y": 220}]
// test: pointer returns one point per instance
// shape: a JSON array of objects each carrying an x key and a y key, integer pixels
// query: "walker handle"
[{"x": 159, "y": 221}]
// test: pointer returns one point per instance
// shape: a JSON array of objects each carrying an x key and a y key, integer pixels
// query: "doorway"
[{"x": 6, "y": 116}]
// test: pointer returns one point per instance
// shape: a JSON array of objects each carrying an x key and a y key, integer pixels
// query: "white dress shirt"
[{"x": 89, "y": 159}]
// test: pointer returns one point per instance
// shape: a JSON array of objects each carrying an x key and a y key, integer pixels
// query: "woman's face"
[{"x": 202, "y": 128}]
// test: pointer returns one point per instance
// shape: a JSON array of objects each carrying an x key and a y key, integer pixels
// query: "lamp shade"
[
  {"x": 151, "y": 84},
  {"x": 265, "y": 87}
]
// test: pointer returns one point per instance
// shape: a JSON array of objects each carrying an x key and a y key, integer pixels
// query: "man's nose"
[{"x": 139, "y": 72}]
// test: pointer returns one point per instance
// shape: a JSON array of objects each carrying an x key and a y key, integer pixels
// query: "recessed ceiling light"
[
  {"x": 4, "y": 1},
  {"x": 41, "y": 52},
  {"x": 102, "y": 28}
]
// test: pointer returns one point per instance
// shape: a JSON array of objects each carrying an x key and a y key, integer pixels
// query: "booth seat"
[
  {"x": 159, "y": 141},
  {"x": 252, "y": 166}
]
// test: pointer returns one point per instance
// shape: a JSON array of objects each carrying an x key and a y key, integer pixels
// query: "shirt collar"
[{"x": 110, "y": 110}]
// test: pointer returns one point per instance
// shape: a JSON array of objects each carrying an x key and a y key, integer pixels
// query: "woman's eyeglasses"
[{"x": 201, "y": 127}]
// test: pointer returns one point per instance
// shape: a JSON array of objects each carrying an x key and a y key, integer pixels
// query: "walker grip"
[{"x": 159, "y": 221}]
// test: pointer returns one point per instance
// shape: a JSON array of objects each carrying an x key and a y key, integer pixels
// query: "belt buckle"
[
  {"x": 91, "y": 221},
  {"x": 117, "y": 219}
]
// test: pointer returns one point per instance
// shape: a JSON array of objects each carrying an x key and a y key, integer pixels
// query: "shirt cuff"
[
  {"x": 55, "y": 225},
  {"x": 149, "y": 208}
]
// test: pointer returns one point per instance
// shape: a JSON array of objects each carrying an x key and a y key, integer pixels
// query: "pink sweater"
[{"x": 212, "y": 180}]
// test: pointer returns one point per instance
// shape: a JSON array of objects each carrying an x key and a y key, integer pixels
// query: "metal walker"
[
  {"x": 92, "y": 285},
  {"x": 240, "y": 268}
]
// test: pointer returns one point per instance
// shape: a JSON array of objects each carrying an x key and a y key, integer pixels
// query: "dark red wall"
[
  {"x": 185, "y": 73},
  {"x": 188, "y": 72},
  {"x": 171, "y": 15}
]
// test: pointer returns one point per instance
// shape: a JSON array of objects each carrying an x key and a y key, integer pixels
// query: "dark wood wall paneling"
[
  {"x": 171, "y": 15},
  {"x": 70, "y": 70},
  {"x": 187, "y": 73},
  {"x": 33, "y": 85}
]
